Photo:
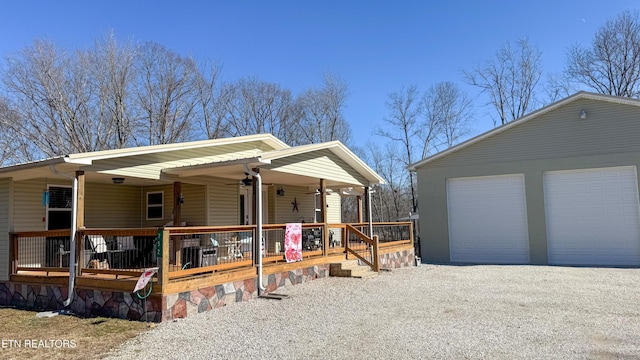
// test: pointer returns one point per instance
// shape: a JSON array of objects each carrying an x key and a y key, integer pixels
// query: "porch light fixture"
[
  {"x": 280, "y": 192},
  {"x": 117, "y": 180},
  {"x": 583, "y": 114}
]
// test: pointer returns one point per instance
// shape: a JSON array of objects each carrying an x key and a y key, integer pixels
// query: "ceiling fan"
[
  {"x": 317, "y": 192},
  {"x": 247, "y": 181}
]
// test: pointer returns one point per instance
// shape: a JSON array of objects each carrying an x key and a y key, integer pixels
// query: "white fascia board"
[
  {"x": 35, "y": 164},
  {"x": 151, "y": 149}
]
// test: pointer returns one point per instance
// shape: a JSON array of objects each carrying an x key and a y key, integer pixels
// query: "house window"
[
  {"x": 155, "y": 205},
  {"x": 59, "y": 207}
]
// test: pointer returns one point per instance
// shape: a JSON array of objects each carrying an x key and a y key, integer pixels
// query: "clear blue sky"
[{"x": 375, "y": 46}]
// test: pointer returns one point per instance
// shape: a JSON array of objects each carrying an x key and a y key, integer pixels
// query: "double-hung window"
[
  {"x": 59, "y": 204},
  {"x": 155, "y": 205}
]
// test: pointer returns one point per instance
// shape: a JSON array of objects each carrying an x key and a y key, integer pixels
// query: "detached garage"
[{"x": 558, "y": 186}]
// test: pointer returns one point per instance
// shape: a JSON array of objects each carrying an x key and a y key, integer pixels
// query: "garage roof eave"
[{"x": 533, "y": 115}]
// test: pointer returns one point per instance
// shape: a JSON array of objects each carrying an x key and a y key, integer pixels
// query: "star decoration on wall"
[{"x": 295, "y": 204}]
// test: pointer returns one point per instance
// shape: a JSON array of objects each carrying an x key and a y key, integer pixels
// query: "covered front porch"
[
  {"x": 84, "y": 227},
  {"x": 194, "y": 275}
]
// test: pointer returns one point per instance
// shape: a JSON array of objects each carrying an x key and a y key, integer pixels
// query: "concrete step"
[
  {"x": 349, "y": 264},
  {"x": 362, "y": 272},
  {"x": 351, "y": 268},
  {"x": 366, "y": 275}
]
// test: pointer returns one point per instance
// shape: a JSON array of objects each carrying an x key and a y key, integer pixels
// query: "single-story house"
[
  {"x": 558, "y": 186},
  {"x": 79, "y": 230}
]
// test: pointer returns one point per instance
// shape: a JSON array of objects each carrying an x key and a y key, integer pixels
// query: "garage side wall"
[{"x": 558, "y": 140}]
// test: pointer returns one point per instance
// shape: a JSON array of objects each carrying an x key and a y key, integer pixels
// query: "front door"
[{"x": 246, "y": 205}]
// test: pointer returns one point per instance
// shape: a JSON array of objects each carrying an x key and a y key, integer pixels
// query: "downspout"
[
  {"x": 369, "y": 212},
  {"x": 258, "y": 223},
  {"x": 74, "y": 214},
  {"x": 370, "y": 219}
]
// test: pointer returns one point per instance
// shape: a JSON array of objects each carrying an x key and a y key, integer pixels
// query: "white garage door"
[
  {"x": 592, "y": 216},
  {"x": 488, "y": 219}
]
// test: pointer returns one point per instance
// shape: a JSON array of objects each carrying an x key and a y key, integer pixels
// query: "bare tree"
[
  {"x": 319, "y": 113},
  {"x": 13, "y": 147},
  {"x": 392, "y": 200},
  {"x": 447, "y": 113},
  {"x": 50, "y": 91},
  {"x": 165, "y": 95},
  {"x": 402, "y": 120},
  {"x": 612, "y": 64},
  {"x": 210, "y": 101},
  {"x": 510, "y": 79},
  {"x": 111, "y": 95},
  {"x": 253, "y": 106},
  {"x": 419, "y": 124},
  {"x": 557, "y": 86},
  {"x": 403, "y": 128},
  {"x": 112, "y": 71}
]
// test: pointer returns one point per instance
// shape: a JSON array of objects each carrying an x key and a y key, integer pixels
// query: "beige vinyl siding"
[
  {"x": 284, "y": 207},
  {"x": 560, "y": 132},
  {"x": 29, "y": 215},
  {"x": 5, "y": 227},
  {"x": 322, "y": 164},
  {"x": 28, "y": 211},
  {"x": 194, "y": 208},
  {"x": 334, "y": 211},
  {"x": 167, "y": 205},
  {"x": 223, "y": 200},
  {"x": 271, "y": 205},
  {"x": 112, "y": 206}
]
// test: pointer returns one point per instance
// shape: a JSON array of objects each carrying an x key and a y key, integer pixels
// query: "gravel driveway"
[{"x": 431, "y": 311}]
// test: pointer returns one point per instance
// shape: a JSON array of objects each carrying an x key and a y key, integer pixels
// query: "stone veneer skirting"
[
  {"x": 91, "y": 302},
  {"x": 397, "y": 259},
  {"x": 192, "y": 302}
]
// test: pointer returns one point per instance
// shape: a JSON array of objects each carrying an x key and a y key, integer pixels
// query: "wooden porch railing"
[
  {"x": 41, "y": 251},
  {"x": 355, "y": 247},
  {"x": 128, "y": 251},
  {"x": 49, "y": 251},
  {"x": 195, "y": 251},
  {"x": 188, "y": 253}
]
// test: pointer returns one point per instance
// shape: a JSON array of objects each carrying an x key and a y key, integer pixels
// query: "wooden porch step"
[{"x": 351, "y": 268}]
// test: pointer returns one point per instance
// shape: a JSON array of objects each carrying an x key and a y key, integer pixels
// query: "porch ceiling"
[
  {"x": 302, "y": 166},
  {"x": 236, "y": 172}
]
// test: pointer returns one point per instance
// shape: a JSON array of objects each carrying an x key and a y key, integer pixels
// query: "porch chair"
[{"x": 99, "y": 246}]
